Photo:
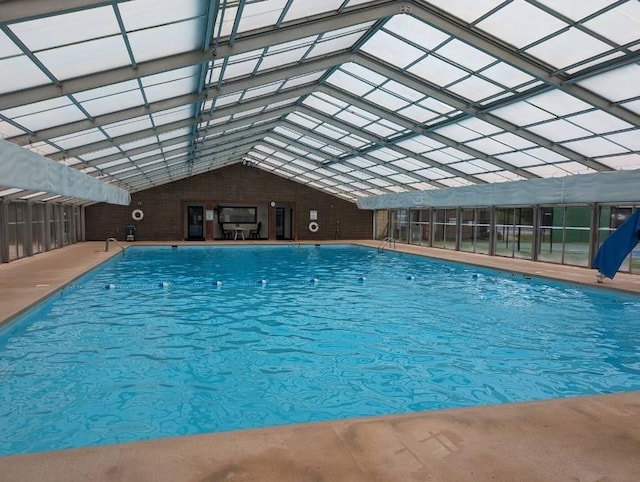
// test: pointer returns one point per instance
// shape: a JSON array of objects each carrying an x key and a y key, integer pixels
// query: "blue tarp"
[{"x": 617, "y": 246}]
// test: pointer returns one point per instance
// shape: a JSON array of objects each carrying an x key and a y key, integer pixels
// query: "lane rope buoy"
[{"x": 137, "y": 215}]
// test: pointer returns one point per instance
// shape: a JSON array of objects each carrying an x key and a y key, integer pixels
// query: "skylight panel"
[
  {"x": 489, "y": 146},
  {"x": 547, "y": 170},
  {"x": 576, "y": 10},
  {"x": 433, "y": 173},
  {"x": 386, "y": 100},
  {"x": 55, "y": 31},
  {"x": 168, "y": 90},
  {"x": 599, "y": 122},
  {"x": 475, "y": 89},
  {"x": 458, "y": 132},
  {"x": 380, "y": 182},
  {"x": 239, "y": 69},
  {"x": 173, "y": 115},
  {"x": 403, "y": 179},
  {"x": 352, "y": 118},
  {"x": 624, "y": 161},
  {"x": 361, "y": 175},
  {"x": 418, "y": 114},
  {"x": 51, "y": 117},
  {"x": 261, "y": 91},
  {"x": 332, "y": 151},
  {"x": 78, "y": 139},
  {"x": 568, "y": 48},
  {"x": 420, "y": 144},
  {"x": 17, "y": 73},
  {"x": 420, "y": 33},
  {"x": 303, "y": 79},
  {"x": 546, "y": 155},
  {"x": 629, "y": 139},
  {"x": 330, "y": 131},
  {"x": 616, "y": 85},
  {"x": 363, "y": 73},
  {"x": 522, "y": 114},
  {"x": 465, "y": 55},
  {"x": 349, "y": 83},
  {"x": 410, "y": 164},
  {"x": 620, "y": 24},
  {"x": 113, "y": 103},
  {"x": 520, "y": 23},
  {"x": 307, "y": 8},
  {"x": 303, "y": 120},
  {"x": 436, "y": 106},
  {"x": 380, "y": 130},
  {"x": 7, "y": 47},
  {"x": 519, "y": 159},
  {"x": 559, "y": 130},
  {"x": 76, "y": 60},
  {"x": 321, "y": 105},
  {"x": 513, "y": 140},
  {"x": 596, "y": 146},
  {"x": 505, "y": 74},
  {"x": 470, "y": 168},
  {"x": 255, "y": 15},
  {"x": 391, "y": 49},
  {"x": 153, "y": 43},
  {"x": 128, "y": 126},
  {"x": 334, "y": 45},
  {"x": 437, "y": 71},
  {"x": 354, "y": 141},
  {"x": 452, "y": 151},
  {"x": 559, "y": 103},
  {"x": 440, "y": 157},
  {"x": 282, "y": 58},
  {"x": 360, "y": 162},
  {"x": 148, "y": 13},
  {"x": 341, "y": 167},
  {"x": 466, "y": 10}
]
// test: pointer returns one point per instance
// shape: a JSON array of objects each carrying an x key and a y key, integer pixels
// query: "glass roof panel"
[
  {"x": 303, "y": 79},
  {"x": 520, "y": 23},
  {"x": 559, "y": 130},
  {"x": 131, "y": 125},
  {"x": 79, "y": 139},
  {"x": 506, "y": 75},
  {"x": 49, "y": 32},
  {"x": 466, "y": 10},
  {"x": 624, "y": 161},
  {"x": 166, "y": 40},
  {"x": 307, "y": 8},
  {"x": 348, "y": 82},
  {"x": 559, "y": 103},
  {"x": 363, "y": 73},
  {"x": 596, "y": 146},
  {"x": 418, "y": 114},
  {"x": 388, "y": 101},
  {"x": 386, "y": 47},
  {"x": 620, "y": 24},
  {"x": 282, "y": 58},
  {"x": 18, "y": 73},
  {"x": 51, "y": 117},
  {"x": 475, "y": 89},
  {"x": 599, "y": 122},
  {"x": 7, "y": 47},
  {"x": 576, "y": 10},
  {"x": 616, "y": 85},
  {"x": 147, "y": 13},
  {"x": 334, "y": 45},
  {"x": 567, "y": 48},
  {"x": 629, "y": 139},
  {"x": 8, "y": 130},
  {"x": 437, "y": 71},
  {"x": 85, "y": 58},
  {"x": 113, "y": 103},
  {"x": 465, "y": 55}
]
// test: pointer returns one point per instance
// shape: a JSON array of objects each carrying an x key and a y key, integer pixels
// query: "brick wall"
[{"x": 164, "y": 207}]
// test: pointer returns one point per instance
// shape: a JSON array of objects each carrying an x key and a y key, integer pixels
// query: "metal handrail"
[
  {"x": 106, "y": 244},
  {"x": 387, "y": 241}
]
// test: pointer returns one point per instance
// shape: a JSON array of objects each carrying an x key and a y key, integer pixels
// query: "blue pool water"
[{"x": 167, "y": 351}]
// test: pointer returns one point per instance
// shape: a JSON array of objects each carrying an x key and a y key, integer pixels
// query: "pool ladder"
[
  {"x": 387, "y": 242},
  {"x": 106, "y": 244}
]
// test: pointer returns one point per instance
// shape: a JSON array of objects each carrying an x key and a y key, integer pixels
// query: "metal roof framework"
[{"x": 354, "y": 98}]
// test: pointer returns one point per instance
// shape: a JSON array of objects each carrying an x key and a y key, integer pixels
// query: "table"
[{"x": 237, "y": 231}]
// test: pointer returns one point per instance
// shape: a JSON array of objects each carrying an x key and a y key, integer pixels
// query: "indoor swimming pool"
[{"x": 167, "y": 341}]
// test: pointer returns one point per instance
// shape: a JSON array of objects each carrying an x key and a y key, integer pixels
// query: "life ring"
[
  {"x": 313, "y": 227},
  {"x": 137, "y": 215}
]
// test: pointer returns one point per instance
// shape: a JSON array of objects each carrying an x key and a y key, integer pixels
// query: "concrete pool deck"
[{"x": 584, "y": 439}]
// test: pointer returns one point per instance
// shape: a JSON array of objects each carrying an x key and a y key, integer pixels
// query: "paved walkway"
[{"x": 581, "y": 439}]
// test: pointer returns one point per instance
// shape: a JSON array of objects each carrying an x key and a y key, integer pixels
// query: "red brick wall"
[{"x": 164, "y": 212}]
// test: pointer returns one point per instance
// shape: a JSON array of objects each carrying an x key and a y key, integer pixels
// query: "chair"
[{"x": 255, "y": 233}]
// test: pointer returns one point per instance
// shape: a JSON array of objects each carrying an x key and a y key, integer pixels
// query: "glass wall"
[
  {"x": 514, "y": 232},
  {"x": 399, "y": 225},
  {"x": 610, "y": 217},
  {"x": 38, "y": 240},
  {"x": 554, "y": 234},
  {"x": 17, "y": 230},
  {"x": 475, "y": 230},
  {"x": 445, "y": 223},
  {"x": 421, "y": 227},
  {"x": 28, "y": 228}
]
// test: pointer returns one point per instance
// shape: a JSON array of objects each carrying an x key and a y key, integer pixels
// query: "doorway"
[
  {"x": 195, "y": 223},
  {"x": 279, "y": 223}
]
